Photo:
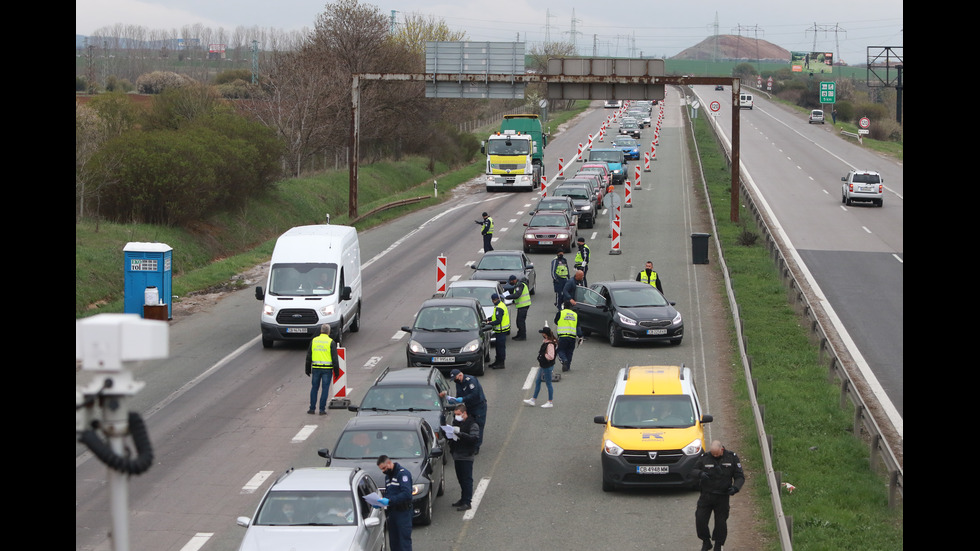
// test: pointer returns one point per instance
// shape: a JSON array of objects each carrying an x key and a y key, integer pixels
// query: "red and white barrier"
[
  {"x": 615, "y": 237},
  {"x": 646, "y": 162},
  {"x": 441, "y": 274},
  {"x": 338, "y": 389},
  {"x": 653, "y": 153},
  {"x": 590, "y": 141},
  {"x": 629, "y": 193},
  {"x": 637, "y": 178},
  {"x": 580, "y": 159},
  {"x": 544, "y": 185},
  {"x": 561, "y": 166}
]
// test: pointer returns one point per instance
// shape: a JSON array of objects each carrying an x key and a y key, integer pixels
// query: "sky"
[{"x": 659, "y": 28}]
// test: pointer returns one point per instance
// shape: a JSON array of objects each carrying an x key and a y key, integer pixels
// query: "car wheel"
[
  {"x": 267, "y": 343},
  {"x": 355, "y": 326},
  {"x": 881, "y": 202},
  {"x": 614, "y": 338},
  {"x": 527, "y": 249},
  {"x": 483, "y": 366},
  {"x": 843, "y": 199},
  {"x": 442, "y": 480},
  {"x": 676, "y": 341},
  {"x": 847, "y": 201},
  {"x": 425, "y": 518}
]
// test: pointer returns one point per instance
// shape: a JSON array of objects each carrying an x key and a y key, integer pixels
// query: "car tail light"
[
  {"x": 850, "y": 187},
  {"x": 880, "y": 188}
]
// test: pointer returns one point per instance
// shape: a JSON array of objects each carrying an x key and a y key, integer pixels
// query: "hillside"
[{"x": 734, "y": 47}]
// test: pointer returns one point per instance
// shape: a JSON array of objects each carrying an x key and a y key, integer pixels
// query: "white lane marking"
[
  {"x": 303, "y": 433},
  {"x": 865, "y": 228},
  {"x": 520, "y": 212},
  {"x": 372, "y": 362},
  {"x": 398, "y": 336},
  {"x": 455, "y": 277},
  {"x": 481, "y": 488},
  {"x": 197, "y": 541},
  {"x": 256, "y": 481},
  {"x": 504, "y": 229},
  {"x": 530, "y": 378},
  {"x": 898, "y": 258},
  {"x": 512, "y": 220},
  {"x": 470, "y": 262},
  {"x": 593, "y": 235}
]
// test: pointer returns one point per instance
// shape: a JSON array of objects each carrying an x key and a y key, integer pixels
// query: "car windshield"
[
  {"x": 628, "y": 125},
  {"x": 369, "y": 444},
  {"x": 307, "y": 508},
  {"x": 481, "y": 294},
  {"x": 447, "y": 318},
  {"x": 546, "y": 220},
  {"x": 612, "y": 156},
  {"x": 500, "y": 262},
  {"x": 638, "y": 297},
  {"x": 401, "y": 398},
  {"x": 552, "y": 205},
  {"x": 625, "y": 143},
  {"x": 573, "y": 193},
  {"x": 302, "y": 279},
  {"x": 652, "y": 412}
]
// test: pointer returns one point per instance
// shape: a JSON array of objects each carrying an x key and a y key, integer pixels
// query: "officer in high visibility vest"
[
  {"x": 521, "y": 296},
  {"x": 487, "y": 232},
  {"x": 566, "y": 328},
  {"x": 559, "y": 275},
  {"x": 582, "y": 257},
  {"x": 321, "y": 359},
  {"x": 650, "y": 276},
  {"x": 501, "y": 328}
]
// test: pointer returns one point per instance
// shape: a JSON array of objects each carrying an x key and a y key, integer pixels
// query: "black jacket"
[
  {"x": 469, "y": 436},
  {"x": 722, "y": 472}
]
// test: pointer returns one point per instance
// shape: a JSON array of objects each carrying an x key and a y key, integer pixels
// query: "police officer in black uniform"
[
  {"x": 398, "y": 499},
  {"x": 720, "y": 472},
  {"x": 469, "y": 391},
  {"x": 486, "y": 231}
]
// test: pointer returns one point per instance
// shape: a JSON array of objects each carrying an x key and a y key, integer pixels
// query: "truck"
[{"x": 515, "y": 154}]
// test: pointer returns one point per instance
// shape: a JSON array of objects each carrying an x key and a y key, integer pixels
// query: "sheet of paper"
[
  {"x": 450, "y": 432},
  {"x": 372, "y": 499}
]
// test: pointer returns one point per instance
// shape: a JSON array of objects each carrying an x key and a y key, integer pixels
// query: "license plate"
[
  {"x": 656, "y": 331},
  {"x": 651, "y": 469},
  {"x": 546, "y": 242},
  {"x": 296, "y": 330},
  {"x": 444, "y": 359},
  {"x": 866, "y": 189}
]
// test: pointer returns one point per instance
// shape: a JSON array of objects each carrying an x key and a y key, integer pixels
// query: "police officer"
[
  {"x": 522, "y": 301},
  {"x": 464, "y": 445},
  {"x": 398, "y": 500},
  {"x": 566, "y": 327},
  {"x": 487, "y": 232},
  {"x": 720, "y": 472},
  {"x": 648, "y": 275},
  {"x": 501, "y": 328},
  {"x": 321, "y": 358},
  {"x": 582, "y": 257},
  {"x": 469, "y": 391},
  {"x": 568, "y": 291},
  {"x": 559, "y": 275}
]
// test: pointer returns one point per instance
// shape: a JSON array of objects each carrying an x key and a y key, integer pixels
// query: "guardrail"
[
  {"x": 885, "y": 443},
  {"x": 387, "y": 206}
]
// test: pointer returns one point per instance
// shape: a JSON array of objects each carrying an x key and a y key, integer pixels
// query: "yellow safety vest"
[
  {"x": 567, "y": 323},
  {"x": 504, "y": 325},
  {"x": 651, "y": 279},
  {"x": 561, "y": 270},
  {"x": 322, "y": 359},
  {"x": 524, "y": 300},
  {"x": 579, "y": 259}
]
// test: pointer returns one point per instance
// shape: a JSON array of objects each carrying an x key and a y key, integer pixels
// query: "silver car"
[{"x": 317, "y": 508}]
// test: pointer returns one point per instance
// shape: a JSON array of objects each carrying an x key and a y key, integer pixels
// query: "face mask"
[{"x": 459, "y": 418}]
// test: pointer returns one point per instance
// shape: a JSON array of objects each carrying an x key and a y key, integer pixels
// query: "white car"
[
  {"x": 816, "y": 116},
  {"x": 317, "y": 508},
  {"x": 480, "y": 289},
  {"x": 862, "y": 185}
]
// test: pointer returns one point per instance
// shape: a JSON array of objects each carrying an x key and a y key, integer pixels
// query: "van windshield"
[
  {"x": 303, "y": 279},
  {"x": 649, "y": 412}
]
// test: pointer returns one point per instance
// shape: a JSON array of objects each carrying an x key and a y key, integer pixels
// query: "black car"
[
  {"x": 450, "y": 333},
  {"x": 628, "y": 311},
  {"x": 412, "y": 391},
  {"x": 584, "y": 200},
  {"x": 500, "y": 265},
  {"x": 407, "y": 441}
]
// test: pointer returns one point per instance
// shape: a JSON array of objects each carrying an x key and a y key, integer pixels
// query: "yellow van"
[{"x": 654, "y": 429}]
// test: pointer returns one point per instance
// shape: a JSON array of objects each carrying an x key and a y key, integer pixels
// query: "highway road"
[
  {"x": 854, "y": 254},
  {"x": 226, "y": 415}
]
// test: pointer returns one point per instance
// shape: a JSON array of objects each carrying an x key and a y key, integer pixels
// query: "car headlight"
[
  {"x": 587, "y": 207},
  {"x": 525, "y": 178},
  {"x": 677, "y": 319},
  {"x": 612, "y": 449},
  {"x": 562, "y": 236},
  {"x": 416, "y": 488},
  {"x": 415, "y": 347},
  {"x": 269, "y": 310},
  {"x": 694, "y": 448},
  {"x": 625, "y": 320},
  {"x": 617, "y": 171},
  {"x": 328, "y": 310},
  {"x": 471, "y": 346}
]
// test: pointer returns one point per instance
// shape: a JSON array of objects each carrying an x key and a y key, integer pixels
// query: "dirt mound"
[{"x": 730, "y": 46}]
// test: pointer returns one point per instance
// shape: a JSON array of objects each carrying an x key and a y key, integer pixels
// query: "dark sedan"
[
  {"x": 500, "y": 265},
  {"x": 584, "y": 200},
  {"x": 413, "y": 391},
  {"x": 628, "y": 311},
  {"x": 449, "y": 333},
  {"x": 406, "y": 440}
]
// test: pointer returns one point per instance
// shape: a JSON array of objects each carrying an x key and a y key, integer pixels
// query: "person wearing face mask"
[
  {"x": 466, "y": 435},
  {"x": 398, "y": 500},
  {"x": 469, "y": 392},
  {"x": 559, "y": 275}
]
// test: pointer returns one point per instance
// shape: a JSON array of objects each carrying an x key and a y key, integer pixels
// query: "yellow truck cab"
[{"x": 654, "y": 429}]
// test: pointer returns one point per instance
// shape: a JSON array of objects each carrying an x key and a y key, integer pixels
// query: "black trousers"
[
  {"x": 464, "y": 474},
  {"x": 522, "y": 321},
  {"x": 717, "y": 504},
  {"x": 487, "y": 247}
]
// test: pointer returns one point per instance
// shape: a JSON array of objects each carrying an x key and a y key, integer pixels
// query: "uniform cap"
[{"x": 453, "y": 373}]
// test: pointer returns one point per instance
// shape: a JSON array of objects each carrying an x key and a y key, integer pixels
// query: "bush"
[
  {"x": 231, "y": 75},
  {"x": 80, "y": 84},
  {"x": 159, "y": 81},
  {"x": 116, "y": 84},
  {"x": 845, "y": 111}
]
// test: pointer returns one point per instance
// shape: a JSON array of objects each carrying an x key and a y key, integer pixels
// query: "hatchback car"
[
  {"x": 549, "y": 230},
  {"x": 654, "y": 429},
  {"x": 583, "y": 197},
  {"x": 816, "y": 116},
  {"x": 480, "y": 289},
  {"x": 500, "y": 265},
  {"x": 449, "y": 333},
  {"x": 630, "y": 147},
  {"x": 628, "y": 311},
  {"x": 407, "y": 441},
  {"x": 862, "y": 185},
  {"x": 411, "y": 391},
  {"x": 317, "y": 508}
]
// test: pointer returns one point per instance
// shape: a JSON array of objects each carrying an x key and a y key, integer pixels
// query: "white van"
[
  {"x": 745, "y": 101},
  {"x": 314, "y": 278}
]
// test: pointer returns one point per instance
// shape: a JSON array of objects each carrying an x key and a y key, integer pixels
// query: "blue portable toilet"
[{"x": 148, "y": 265}]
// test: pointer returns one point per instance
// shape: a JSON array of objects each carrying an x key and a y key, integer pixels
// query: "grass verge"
[{"x": 839, "y": 502}]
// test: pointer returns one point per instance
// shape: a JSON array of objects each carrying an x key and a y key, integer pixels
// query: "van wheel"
[
  {"x": 267, "y": 343},
  {"x": 355, "y": 326}
]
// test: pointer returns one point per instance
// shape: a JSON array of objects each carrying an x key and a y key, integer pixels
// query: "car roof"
[
  {"x": 454, "y": 301},
  {"x": 496, "y": 252},
  {"x": 406, "y": 376},
  {"x": 315, "y": 478},
  {"x": 478, "y": 282},
  {"x": 655, "y": 380},
  {"x": 622, "y": 284}
]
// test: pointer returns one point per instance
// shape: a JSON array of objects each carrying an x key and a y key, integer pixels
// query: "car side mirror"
[
  {"x": 354, "y": 409},
  {"x": 346, "y": 294},
  {"x": 371, "y": 522},
  {"x": 487, "y": 327},
  {"x": 259, "y": 294},
  {"x": 530, "y": 265},
  {"x": 406, "y": 329},
  {"x": 243, "y": 521},
  {"x": 324, "y": 453},
  {"x": 599, "y": 419},
  {"x": 473, "y": 266},
  {"x": 843, "y": 178},
  {"x": 436, "y": 452},
  {"x": 707, "y": 418},
  {"x": 525, "y": 224}
]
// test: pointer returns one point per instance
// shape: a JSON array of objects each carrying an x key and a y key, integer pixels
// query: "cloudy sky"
[{"x": 659, "y": 28}]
